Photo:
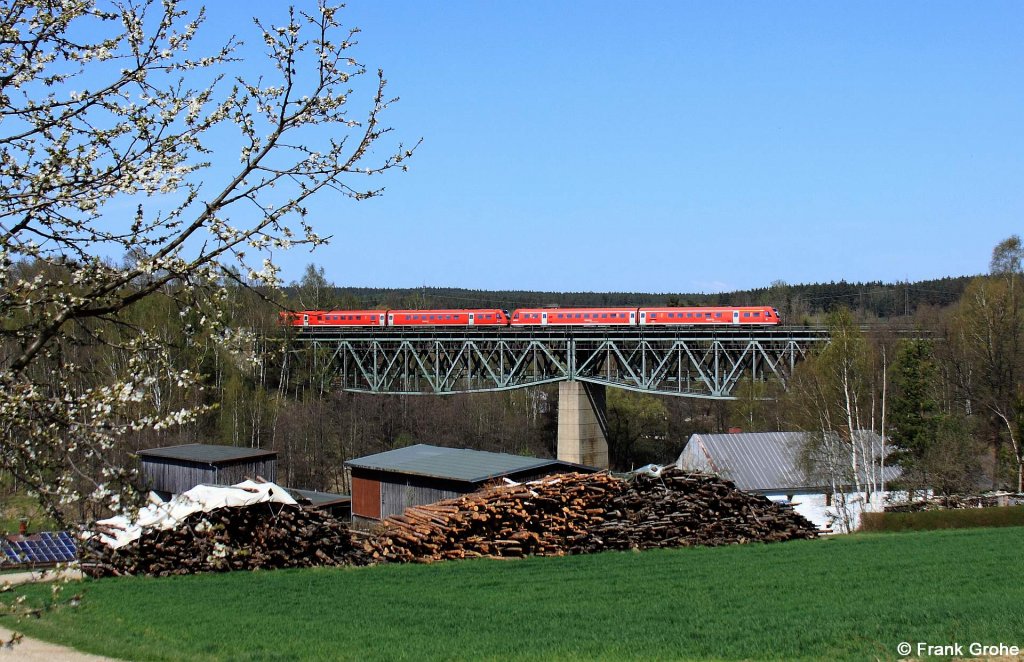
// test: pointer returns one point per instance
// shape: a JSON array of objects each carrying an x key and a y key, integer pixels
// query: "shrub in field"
[{"x": 928, "y": 520}]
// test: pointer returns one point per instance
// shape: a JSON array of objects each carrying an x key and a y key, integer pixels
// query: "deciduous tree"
[
  {"x": 833, "y": 397},
  {"x": 107, "y": 147},
  {"x": 987, "y": 347}
]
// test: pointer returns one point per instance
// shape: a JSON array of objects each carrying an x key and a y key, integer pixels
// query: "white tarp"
[{"x": 118, "y": 531}]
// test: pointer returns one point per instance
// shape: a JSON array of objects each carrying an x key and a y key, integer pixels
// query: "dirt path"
[{"x": 33, "y": 650}]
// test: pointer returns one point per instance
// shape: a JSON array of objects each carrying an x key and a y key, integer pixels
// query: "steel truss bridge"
[{"x": 697, "y": 363}]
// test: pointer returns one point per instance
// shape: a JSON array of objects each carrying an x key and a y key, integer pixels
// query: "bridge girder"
[{"x": 696, "y": 363}]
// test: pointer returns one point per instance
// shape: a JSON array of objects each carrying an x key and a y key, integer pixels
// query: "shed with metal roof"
[
  {"x": 176, "y": 469},
  {"x": 764, "y": 462},
  {"x": 769, "y": 463},
  {"x": 387, "y": 483}
]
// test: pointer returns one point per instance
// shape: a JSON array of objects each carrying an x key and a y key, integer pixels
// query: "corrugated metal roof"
[
  {"x": 209, "y": 453},
  {"x": 460, "y": 464},
  {"x": 756, "y": 461}
]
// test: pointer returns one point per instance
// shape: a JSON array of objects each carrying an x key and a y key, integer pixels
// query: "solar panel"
[{"x": 38, "y": 549}]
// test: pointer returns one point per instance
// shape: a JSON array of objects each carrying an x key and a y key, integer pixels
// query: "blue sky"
[{"x": 682, "y": 146}]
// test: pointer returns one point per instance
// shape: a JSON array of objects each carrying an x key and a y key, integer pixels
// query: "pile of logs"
[
  {"x": 583, "y": 513},
  {"x": 681, "y": 509},
  {"x": 563, "y": 514},
  {"x": 263, "y": 535}
]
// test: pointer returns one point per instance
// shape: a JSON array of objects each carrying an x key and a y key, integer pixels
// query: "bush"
[{"x": 928, "y": 520}]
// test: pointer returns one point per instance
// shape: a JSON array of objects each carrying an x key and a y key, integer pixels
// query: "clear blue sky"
[{"x": 682, "y": 146}]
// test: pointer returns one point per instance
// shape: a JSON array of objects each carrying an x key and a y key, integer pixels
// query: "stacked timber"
[
  {"x": 680, "y": 509},
  {"x": 257, "y": 536},
  {"x": 546, "y": 518},
  {"x": 564, "y": 514},
  {"x": 583, "y": 513}
]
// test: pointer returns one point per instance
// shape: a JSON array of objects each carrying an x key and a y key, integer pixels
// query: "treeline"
[{"x": 872, "y": 300}]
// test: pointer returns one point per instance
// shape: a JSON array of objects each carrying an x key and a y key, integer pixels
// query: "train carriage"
[
  {"x": 709, "y": 315},
  {"x": 328, "y": 318},
  {"x": 574, "y": 317},
  {"x": 461, "y": 317}
]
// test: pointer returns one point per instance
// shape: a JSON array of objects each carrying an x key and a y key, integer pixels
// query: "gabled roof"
[
  {"x": 458, "y": 464},
  {"x": 207, "y": 453},
  {"x": 759, "y": 461}
]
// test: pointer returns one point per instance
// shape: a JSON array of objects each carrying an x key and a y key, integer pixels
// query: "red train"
[{"x": 618, "y": 316}]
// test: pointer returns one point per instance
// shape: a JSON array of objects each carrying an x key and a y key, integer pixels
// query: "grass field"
[
  {"x": 855, "y": 597},
  {"x": 15, "y": 506}
]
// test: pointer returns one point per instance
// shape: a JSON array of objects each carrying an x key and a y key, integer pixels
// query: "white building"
[{"x": 769, "y": 463}]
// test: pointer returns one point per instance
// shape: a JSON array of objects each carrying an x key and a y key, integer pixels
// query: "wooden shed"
[
  {"x": 176, "y": 469},
  {"x": 387, "y": 483}
]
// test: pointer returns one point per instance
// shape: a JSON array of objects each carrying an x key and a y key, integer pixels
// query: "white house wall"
[{"x": 825, "y": 517}]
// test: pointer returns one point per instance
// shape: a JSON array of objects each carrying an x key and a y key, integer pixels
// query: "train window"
[
  {"x": 604, "y": 316},
  {"x": 560, "y": 315},
  {"x": 746, "y": 314},
  {"x": 447, "y": 317},
  {"x": 718, "y": 315},
  {"x": 757, "y": 314},
  {"x": 707, "y": 316},
  {"x": 578, "y": 316}
]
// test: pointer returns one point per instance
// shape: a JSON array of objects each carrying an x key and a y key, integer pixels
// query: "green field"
[
  {"x": 854, "y": 597},
  {"x": 14, "y": 507}
]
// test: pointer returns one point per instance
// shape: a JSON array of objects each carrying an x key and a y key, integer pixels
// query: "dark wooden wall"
[{"x": 177, "y": 476}]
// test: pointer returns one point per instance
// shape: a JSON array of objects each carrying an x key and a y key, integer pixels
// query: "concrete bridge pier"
[{"x": 582, "y": 424}]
